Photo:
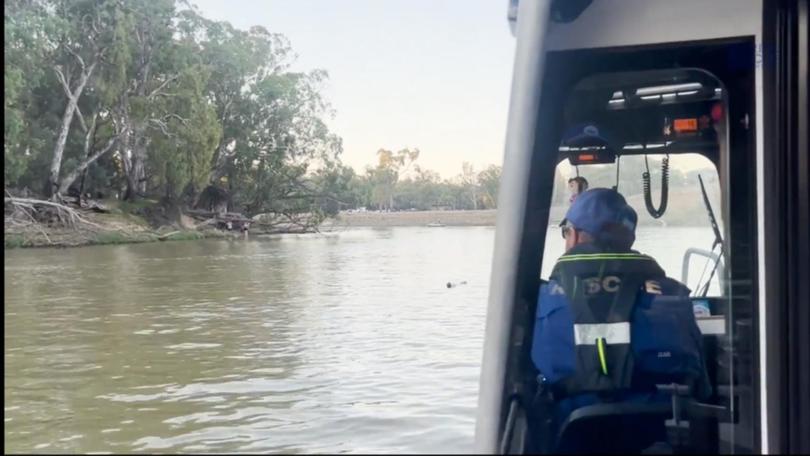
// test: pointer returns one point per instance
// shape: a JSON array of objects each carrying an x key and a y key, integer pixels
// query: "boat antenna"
[
  {"x": 645, "y": 178},
  {"x": 718, "y": 238}
]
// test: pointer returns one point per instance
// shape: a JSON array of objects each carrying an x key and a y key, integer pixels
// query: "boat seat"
[{"x": 616, "y": 427}]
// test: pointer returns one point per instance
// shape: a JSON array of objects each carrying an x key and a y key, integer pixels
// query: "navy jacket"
[{"x": 665, "y": 338}]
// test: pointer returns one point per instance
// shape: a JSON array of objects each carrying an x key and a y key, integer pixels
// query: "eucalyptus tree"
[{"x": 27, "y": 28}]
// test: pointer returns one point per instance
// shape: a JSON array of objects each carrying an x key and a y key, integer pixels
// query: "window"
[{"x": 685, "y": 224}]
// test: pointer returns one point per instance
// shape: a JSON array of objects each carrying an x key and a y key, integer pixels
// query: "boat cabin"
[{"x": 697, "y": 113}]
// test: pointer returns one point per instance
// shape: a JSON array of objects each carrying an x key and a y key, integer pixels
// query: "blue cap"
[
  {"x": 604, "y": 214},
  {"x": 587, "y": 135}
]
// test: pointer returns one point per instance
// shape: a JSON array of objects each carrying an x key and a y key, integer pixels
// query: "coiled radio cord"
[{"x": 645, "y": 177}]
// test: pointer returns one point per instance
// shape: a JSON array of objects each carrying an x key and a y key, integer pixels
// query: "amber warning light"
[{"x": 685, "y": 125}]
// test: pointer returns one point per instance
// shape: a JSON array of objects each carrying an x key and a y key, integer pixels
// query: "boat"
[
  {"x": 724, "y": 81},
  {"x": 435, "y": 225}
]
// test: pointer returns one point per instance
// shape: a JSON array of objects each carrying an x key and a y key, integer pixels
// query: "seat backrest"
[{"x": 619, "y": 427}]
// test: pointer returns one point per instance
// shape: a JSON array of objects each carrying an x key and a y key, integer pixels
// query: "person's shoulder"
[
  {"x": 664, "y": 284},
  {"x": 671, "y": 287},
  {"x": 551, "y": 286}
]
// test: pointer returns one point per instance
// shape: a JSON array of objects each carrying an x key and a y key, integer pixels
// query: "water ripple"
[{"x": 348, "y": 343}]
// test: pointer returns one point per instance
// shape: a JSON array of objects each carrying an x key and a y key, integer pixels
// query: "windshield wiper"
[{"x": 718, "y": 238}]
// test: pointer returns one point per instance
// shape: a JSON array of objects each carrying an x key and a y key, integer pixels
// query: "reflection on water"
[
  {"x": 346, "y": 342},
  {"x": 314, "y": 343}
]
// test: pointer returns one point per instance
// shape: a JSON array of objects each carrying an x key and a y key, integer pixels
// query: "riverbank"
[
  {"x": 108, "y": 229},
  {"x": 147, "y": 222},
  {"x": 411, "y": 218},
  {"x": 123, "y": 225},
  {"x": 120, "y": 223}
]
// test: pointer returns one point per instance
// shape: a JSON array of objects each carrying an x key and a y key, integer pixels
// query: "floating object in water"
[
  {"x": 452, "y": 285},
  {"x": 435, "y": 225}
]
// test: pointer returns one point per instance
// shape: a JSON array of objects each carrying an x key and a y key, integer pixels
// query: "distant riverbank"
[
  {"x": 411, "y": 218},
  {"x": 126, "y": 226}
]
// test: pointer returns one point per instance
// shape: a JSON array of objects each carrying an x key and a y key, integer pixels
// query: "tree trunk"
[
  {"x": 61, "y": 140},
  {"x": 220, "y": 168},
  {"x": 59, "y": 148},
  {"x": 136, "y": 178},
  {"x": 70, "y": 178}
]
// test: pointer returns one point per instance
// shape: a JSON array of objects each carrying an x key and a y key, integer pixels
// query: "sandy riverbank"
[{"x": 411, "y": 218}]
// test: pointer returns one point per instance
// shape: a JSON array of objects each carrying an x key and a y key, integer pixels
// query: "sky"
[{"x": 430, "y": 74}]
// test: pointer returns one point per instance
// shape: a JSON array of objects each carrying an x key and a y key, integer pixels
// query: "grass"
[
  {"x": 117, "y": 237},
  {"x": 129, "y": 207},
  {"x": 12, "y": 241},
  {"x": 185, "y": 236}
]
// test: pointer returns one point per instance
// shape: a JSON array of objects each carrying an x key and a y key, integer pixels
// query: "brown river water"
[{"x": 338, "y": 342}]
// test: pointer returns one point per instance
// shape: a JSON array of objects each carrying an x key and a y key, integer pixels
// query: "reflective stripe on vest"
[
  {"x": 604, "y": 256},
  {"x": 602, "y": 289},
  {"x": 612, "y": 333}
]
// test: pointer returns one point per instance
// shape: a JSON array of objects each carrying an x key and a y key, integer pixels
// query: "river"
[{"x": 338, "y": 342}]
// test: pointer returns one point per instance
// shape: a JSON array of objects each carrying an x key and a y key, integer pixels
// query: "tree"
[
  {"x": 390, "y": 166},
  {"x": 27, "y": 28},
  {"x": 489, "y": 180},
  {"x": 85, "y": 38},
  {"x": 149, "y": 98},
  {"x": 469, "y": 183},
  {"x": 152, "y": 62}
]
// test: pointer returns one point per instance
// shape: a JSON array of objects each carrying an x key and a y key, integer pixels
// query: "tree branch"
[
  {"x": 162, "y": 126},
  {"x": 162, "y": 86},
  {"x": 61, "y": 77},
  {"x": 82, "y": 124},
  {"x": 66, "y": 215},
  {"x": 182, "y": 120},
  {"x": 77, "y": 56}
]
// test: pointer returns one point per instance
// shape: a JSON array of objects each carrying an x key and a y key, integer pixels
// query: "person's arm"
[
  {"x": 553, "y": 351},
  {"x": 537, "y": 333}
]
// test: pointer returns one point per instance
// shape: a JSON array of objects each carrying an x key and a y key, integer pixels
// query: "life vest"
[{"x": 601, "y": 289}]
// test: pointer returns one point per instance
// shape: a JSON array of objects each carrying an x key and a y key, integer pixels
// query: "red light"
[
  {"x": 587, "y": 157},
  {"x": 717, "y": 112}
]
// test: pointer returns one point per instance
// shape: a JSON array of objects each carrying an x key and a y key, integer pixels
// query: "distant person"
[
  {"x": 576, "y": 186},
  {"x": 610, "y": 324},
  {"x": 245, "y": 228}
]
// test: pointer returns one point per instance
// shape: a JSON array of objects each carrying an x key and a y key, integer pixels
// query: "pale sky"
[{"x": 431, "y": 74}]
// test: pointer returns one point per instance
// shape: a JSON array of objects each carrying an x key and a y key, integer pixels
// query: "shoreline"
[
  {"x": 483, "y": 217},
  {"x": 111, "y": 227},
  {"x": 124, "y": 228},
  {"x": 62, "y": 238}
]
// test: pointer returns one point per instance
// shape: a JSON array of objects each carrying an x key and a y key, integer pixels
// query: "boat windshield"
[{"x": 684, "y": 226}]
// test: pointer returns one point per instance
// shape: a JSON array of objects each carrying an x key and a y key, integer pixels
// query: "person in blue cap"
[{"x": 610, "y": 325}]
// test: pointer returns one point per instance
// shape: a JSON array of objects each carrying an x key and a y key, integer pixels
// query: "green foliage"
[
  {"x": 13, "y": 241},
  {"x": 188, "y": 102},
  {"x": 489, "y": 180},
  {"x": 191, "y": 107},
  {"x": 382, "y": 188},
  {"x": 113, "y": 237},
  {"x": 26, "y": 27},
  {"x": 185, "y": 236},
  {"x": 384, "y": 177}
]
